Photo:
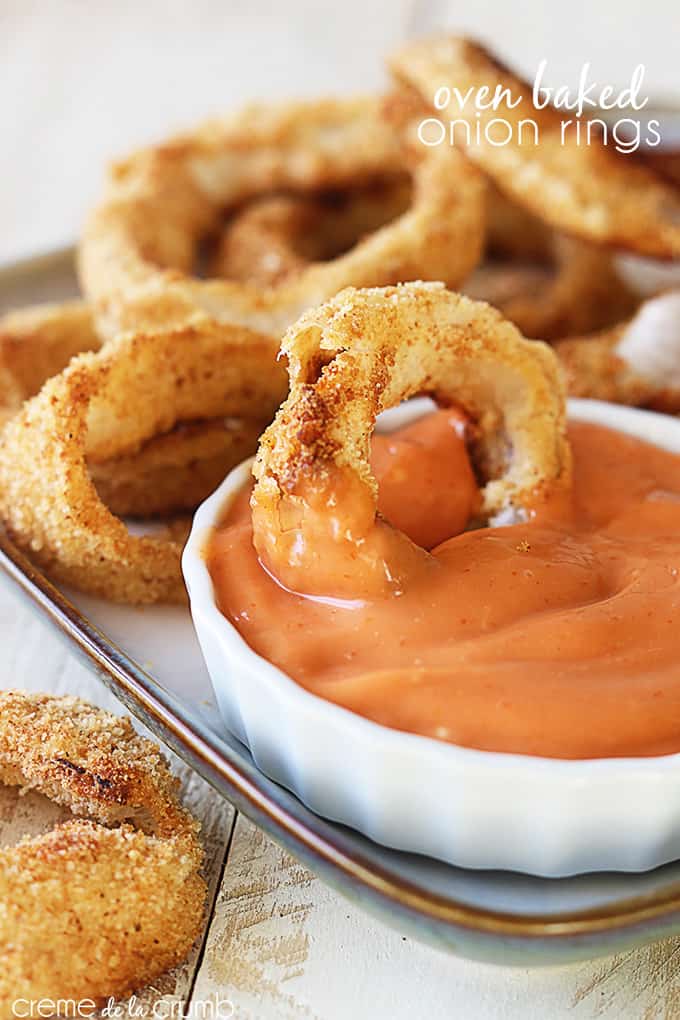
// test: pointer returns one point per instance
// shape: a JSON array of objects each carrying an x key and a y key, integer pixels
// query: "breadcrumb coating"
[
  {"x": 100, "y": 905},
  {"x": 139, "y": 246},
  {"x": 588, "y": 190},
  {"x": 107, "y": 405},
  {"x": 366, "y": 351}
]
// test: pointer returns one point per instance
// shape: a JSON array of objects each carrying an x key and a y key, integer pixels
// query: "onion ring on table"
[
  {"x": 274, "y": 238},
  {"x": 38, "y": 342},
  {"x": 315, "y": 497},
  {"x": 100, "y": 408},
  {"x": 139, "y": 246},
  {"x": 586, "y": 190},
  {"x": 635, "y": 363},
  {"x": 85, "y": 907}
]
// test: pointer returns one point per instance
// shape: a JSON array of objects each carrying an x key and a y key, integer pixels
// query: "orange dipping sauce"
[{"x": 557, "y": 637}]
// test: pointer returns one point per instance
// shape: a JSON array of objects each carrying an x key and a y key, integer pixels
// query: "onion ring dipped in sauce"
[
  {"x": 107, "y": 405},
  {"x": 583, "y": 189},
  {"x": 554, "y": 635},
  {"x": 140, "y": 246},
  {"x": 86, "y": 905},
  {"x": 314, "y": 502}
]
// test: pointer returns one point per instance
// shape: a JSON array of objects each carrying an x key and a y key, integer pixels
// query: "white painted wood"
[
  {"x": 32, "y": 657},
  {"x": 282, "y": 945}
]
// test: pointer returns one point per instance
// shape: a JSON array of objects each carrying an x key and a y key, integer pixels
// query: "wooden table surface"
[{"x": 279, "y": 944}]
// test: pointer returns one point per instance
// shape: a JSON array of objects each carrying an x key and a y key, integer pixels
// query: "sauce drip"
[{"x": 558, "y": 637}]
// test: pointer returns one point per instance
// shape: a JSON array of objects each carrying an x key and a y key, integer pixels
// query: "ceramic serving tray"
[{"x": 150, "y": 659}]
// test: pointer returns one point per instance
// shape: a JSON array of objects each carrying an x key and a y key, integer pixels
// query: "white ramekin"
[{"x": 475, "y": 809}]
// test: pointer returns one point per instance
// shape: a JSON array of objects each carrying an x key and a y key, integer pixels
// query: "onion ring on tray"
[
  {"x": 100, "y": 408},
  {"x": 314, "y": 501},
  {"x": 587, "y": 190},
  {"x": 576, "y": 289},
  {"x": 635, "y": 363},
  {"x": 176, "y": 471},
  {"x": 170, "y": 473},
  {"x": 274, "y": 238},
  {"x": 139, "y": 247},
  {"x": 86, "y": 906},
  {"x": 38, "y": 342}
]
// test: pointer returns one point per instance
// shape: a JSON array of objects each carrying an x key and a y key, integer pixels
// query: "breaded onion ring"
[
  {"x": 38, "y": 342},
  {"x": 176, "y": 471},
  {"x": 314, "y": 501},
  {"x": 587, "y": 190},
  {"x": 170, "y": 473},
  {"x": 577, "y": 289},
  {"x": 85, "y": 907},
  {"x": 274, "y": 238},
  {"x": 139, "y": 247},
  {"x": 635, "y": 363},
  {"x": 107, "y": 405}
]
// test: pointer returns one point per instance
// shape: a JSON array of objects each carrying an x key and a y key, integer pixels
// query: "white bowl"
[{"x": 475, "y": 809}]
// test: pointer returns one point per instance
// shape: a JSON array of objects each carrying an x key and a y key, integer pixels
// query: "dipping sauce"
[{"x": 557, "y": 637}]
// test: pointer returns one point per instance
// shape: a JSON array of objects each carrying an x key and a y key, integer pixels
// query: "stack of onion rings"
[
  {"x": 86, "y": 906},
  {"x": 356, "y": 356},
  {"x": 168, "y": 474},
  {"x": 298, "y": 185},
  {"x": 48, "y": 501}
]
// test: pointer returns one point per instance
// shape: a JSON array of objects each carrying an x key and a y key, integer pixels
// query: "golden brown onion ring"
[
  {"x": 170, "y": 473},
  {"x": 139, "y": 247},
  {"x": 576, "y": 290},
  {"x": 107, "y": 405},
  {"x": 314, "y": 501},
  {"x": 38, "y": 342},
  {"x": 587, "y": 190},
  {"x": 274, "y": 238},
  {"x": 86, "y": 906},
  {"x": 635, "y": 363},
  {"x": 176, "y": 471}
]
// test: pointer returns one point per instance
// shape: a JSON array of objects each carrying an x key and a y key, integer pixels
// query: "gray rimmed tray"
[{"x": 150, "y": 659}]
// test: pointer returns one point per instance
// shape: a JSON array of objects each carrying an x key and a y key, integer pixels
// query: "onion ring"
[
  {"x": 365, "y": 351},
  {"x": 175, "y": 472},
  {"x": 587, "y": 190},
  {"x": 48, "y": 501},
  {"x": 635, "y": 363},
  {"x": 38, "y": 342},
  {"x": 86, "y": 906},
  {"x": 274, "y": 238},
  {"x": 139, "y": 246},
  {"x": 583, "y": 292}
]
